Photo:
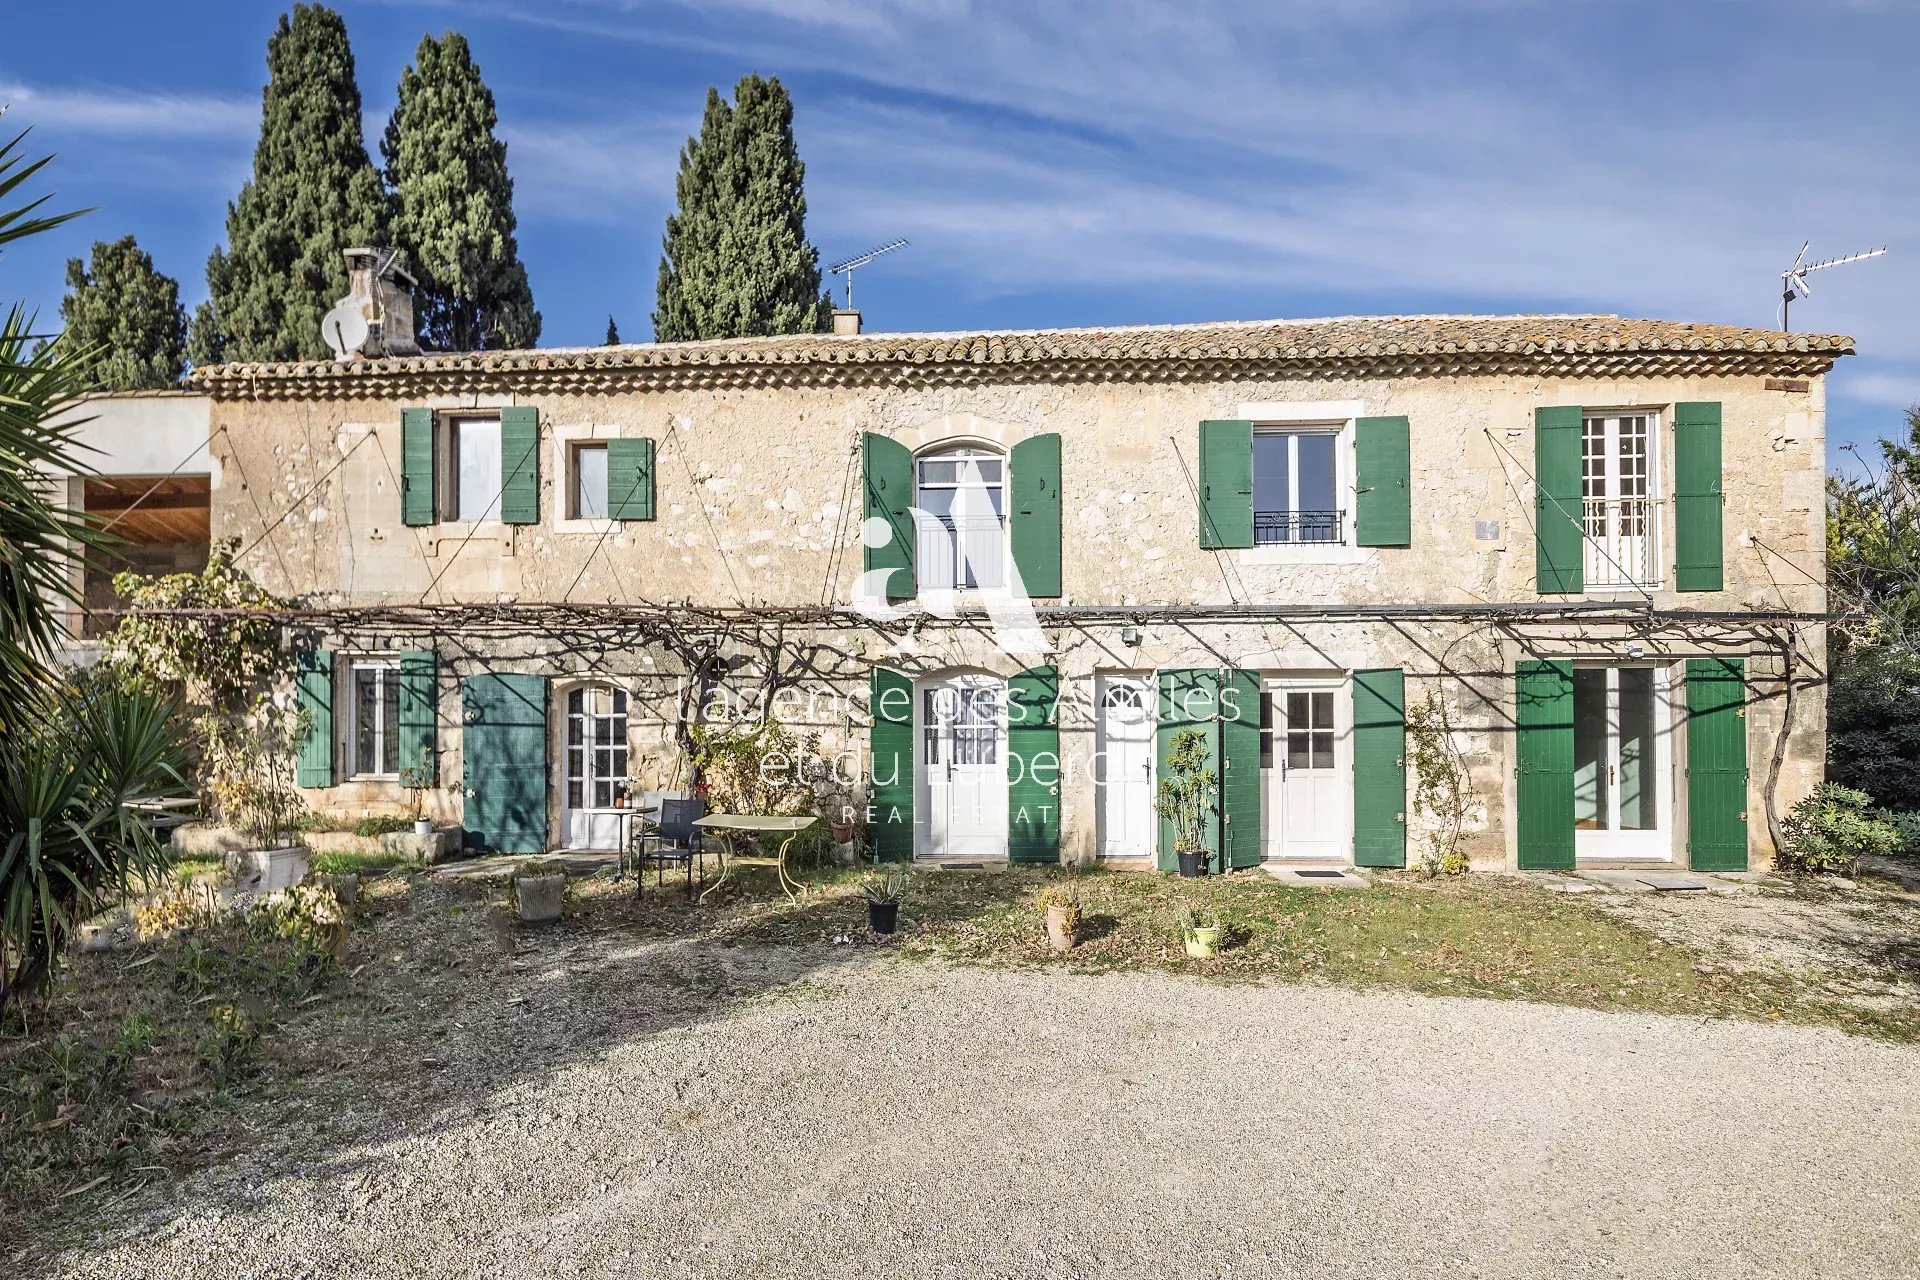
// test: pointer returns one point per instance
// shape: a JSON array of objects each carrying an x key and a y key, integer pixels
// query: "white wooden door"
[
  {"x": 1304, "y": 750},
  {"x": 963, "y": 767},
  {"x": 1124, "y": 766},
  {"x": 1622, "y": 782},
  {"x": 594, "y": 766}
]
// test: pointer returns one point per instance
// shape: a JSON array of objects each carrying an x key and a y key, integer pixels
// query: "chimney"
[
  {"x": 376, "y": 317},
  {"x": 846, "y": 322}
]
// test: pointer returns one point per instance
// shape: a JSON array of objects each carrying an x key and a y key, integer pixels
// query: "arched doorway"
[{"x": 593, "y": 765}]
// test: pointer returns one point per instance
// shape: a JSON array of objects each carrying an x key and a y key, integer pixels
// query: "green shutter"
[
  {"x": 520, "y": 465},
  {"x": 1188, "y": 700},
  {"x": 503, "y": 750},
  {"x": 1697, "y": 497},
  {"x": 1033, "y": 766},
  {"x": 1543, "y": 758},
  {"x": 1035, "y": 486},
  {"x": 1380, "y": 768},
  {"x": 887, "y": 466},
  {"x": 891, "y": 745},
  {"x": 1240, "y": 789},
  {"x": 630, "y": 478},
  {"x": 419, "y": 701},
  {"x": 416, "y": 466},
  {"x": 1226, "y": 484},
  {"x": 1383, "y": 503},
  {"x": 314, "y": 688},
  {"x": 1557, "y": 520},
  {"x": 1716, "y": 764}
]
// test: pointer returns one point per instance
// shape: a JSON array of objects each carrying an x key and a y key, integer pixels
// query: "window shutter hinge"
[{"x": 1400, "y": 817}]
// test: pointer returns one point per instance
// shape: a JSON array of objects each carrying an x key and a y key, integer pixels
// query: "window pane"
[
  {"x": 1272, "y": 467},
  {"x": 1266, "y": 729},
  {"x": 1315, "y": 463},
  {"x": 366, "y": 712},
  {"x": 590, "y": 482},
  {"x": 1323, "y": 750},
  {"x": 1298, "y": 755},
  {"x": 477, "y": 444},
  {"x": 1297, "y": 717},
  {"x": 1590, "y": 749},
  {"x": 389, "y": 724},
  {"x": 1636, "y": 750},
  {"x": 1323, "y": 711}
]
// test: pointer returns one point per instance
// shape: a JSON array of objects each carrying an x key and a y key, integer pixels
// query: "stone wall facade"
[{"x": 758, "y": 500}]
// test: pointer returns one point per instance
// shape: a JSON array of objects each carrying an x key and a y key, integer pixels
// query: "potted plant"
[
  {"x": 883, "y": 899},
  {"x": 1061, "y": 902},
  {"x": 1199, "y": 931},
  {"x": 416, "y": 779},
  {"x": 1187, "y": 799},
  {"x": 539, "y": 887}
]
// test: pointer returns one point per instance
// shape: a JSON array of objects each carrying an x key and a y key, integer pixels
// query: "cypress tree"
[
  {"x": 735, "y": 260},
  {"x": 314, "y": 194},
  {"x": 453, "y": 204},
  {"x": 128, "y": 314},
  {"x": 613, "y": 333}
]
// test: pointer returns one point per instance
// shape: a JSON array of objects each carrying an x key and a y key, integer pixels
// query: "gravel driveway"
[{"x": 873, "y": 1117}]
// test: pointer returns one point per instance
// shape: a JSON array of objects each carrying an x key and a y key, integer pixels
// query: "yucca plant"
[
  {"x": 73, "y": 776},
  {"x": 77, "y": 752}
]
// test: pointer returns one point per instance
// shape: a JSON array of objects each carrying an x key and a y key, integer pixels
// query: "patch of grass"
[
  {"x": 336, "y": 864},
  {"x": 115, "y": 1079},
  {"x": 1482, "y": 936}
]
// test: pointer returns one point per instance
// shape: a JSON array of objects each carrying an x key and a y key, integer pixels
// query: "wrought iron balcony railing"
[{"x": 1284, "y": 528}]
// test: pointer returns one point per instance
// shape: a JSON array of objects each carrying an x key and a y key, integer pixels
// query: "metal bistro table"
[{"x": 729, "y": 825}]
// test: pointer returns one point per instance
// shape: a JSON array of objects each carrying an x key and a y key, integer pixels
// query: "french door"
[
  {"x": 1305, "y": 759},
  {"x": 963, "y": 771},
  {"x": 1622, "y": 776},
  {"x": 595, "y": 766},
  {"x": 1618, "y": 510},
  {"x": 1124, "y": 776}
]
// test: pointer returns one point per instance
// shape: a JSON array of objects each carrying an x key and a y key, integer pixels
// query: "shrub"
[
  {"x": 1873, "y": 739},
  {"x": 1908, "y": 825},
  {"x": 1832, "y": 829},
  {"x": 384, "y": 825}
]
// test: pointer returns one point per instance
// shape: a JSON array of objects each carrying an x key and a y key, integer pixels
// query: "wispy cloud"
[{"x": 129, "y": 113}]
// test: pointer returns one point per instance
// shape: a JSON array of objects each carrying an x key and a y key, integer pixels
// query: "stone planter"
[
  {"x": 538, "y": 898},
  {"x": 1063, "y": 928},
  {"x": 269, "y": 870},
  {"x": 436, "y": 846}
]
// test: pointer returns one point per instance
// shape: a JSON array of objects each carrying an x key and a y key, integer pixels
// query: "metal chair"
[{"x": 668, "y": 840}]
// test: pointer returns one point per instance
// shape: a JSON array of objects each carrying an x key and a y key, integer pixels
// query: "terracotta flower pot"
[{"x": 1063, "y": 928}]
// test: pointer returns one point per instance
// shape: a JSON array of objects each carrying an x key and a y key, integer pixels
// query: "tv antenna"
[
  {"x": 860, "y": 260},
  {"x": 1794, "y": 279}
]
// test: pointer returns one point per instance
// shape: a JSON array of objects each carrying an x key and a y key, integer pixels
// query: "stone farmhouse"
[{"x": 1574, "y": 562}]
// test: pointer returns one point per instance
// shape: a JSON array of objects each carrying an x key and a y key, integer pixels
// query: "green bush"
[
  {"x": 384, "y": 825},
  {"x": 1873, "y": 737},
  {"x": 1832, "y": 829},
  {"x": 1908, "y": 825}
]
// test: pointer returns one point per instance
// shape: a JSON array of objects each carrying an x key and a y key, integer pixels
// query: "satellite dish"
[{"x": 345, "y": 328}]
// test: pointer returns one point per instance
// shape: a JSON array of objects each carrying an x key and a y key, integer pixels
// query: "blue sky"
[{"x": 1063, "y": 163}]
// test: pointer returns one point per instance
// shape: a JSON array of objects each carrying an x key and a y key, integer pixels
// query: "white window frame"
[
  {"x": 568, "y": 440},
  {"x": 1608, "y": 579},
  {"x": 389, "y": 668},
  {"x": 1336, "y": 418},
  {"x": 1342, "y": 484},
  {"x": 966, "y": 449},
  {"x": 448, "y": 426},
  {"x": 574, "y": 450}
]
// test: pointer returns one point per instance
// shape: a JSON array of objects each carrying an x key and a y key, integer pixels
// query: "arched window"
[{"x": 960, "y": 541}]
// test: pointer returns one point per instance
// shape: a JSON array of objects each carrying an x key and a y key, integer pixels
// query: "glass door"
[
  {"x": 596, "y": 766},
  {"x": 1622, "y": 793}
]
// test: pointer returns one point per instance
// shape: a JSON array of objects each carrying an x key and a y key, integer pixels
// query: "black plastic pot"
[
  {"x": 883, "y": 917},
  {"x": 1192, "y": 865}
]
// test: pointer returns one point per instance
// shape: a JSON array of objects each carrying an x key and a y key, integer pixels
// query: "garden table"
[{"x": 728, "y": 826}]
